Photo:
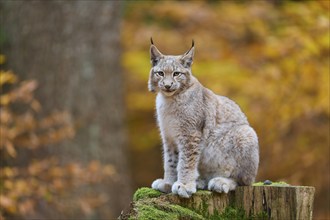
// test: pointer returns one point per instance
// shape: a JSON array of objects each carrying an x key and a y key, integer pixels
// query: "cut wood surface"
[{"x": 246, "y": 202}]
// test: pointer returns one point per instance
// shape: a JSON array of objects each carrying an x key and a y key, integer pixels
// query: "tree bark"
[
  {"x": 73, "y": 49},
  {"x": 247, "y": 202},
  {"x": 277, "y": 202}
]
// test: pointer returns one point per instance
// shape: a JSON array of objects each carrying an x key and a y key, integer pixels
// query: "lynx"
[{"x": 207, "y": 140}]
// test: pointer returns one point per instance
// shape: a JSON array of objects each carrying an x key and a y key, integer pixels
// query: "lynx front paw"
[
  {"x": 221, "y": 184},
  {"x": 184, "y": 190},
  {"x": 162, "y": 185}
]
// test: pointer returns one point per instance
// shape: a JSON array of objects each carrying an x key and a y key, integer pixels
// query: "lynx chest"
[{"x": 170, "y": 117}]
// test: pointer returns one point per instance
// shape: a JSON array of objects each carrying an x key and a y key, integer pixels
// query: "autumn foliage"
[
  {"x": 272, "y": 59},
  {"x": 28, "y": 176}
]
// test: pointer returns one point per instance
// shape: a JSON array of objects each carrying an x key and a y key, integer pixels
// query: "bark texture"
[
  {"x": 73, "y": 49},
  {"x": 277, "y": 202},
  {"x": 248, "y": 202}
]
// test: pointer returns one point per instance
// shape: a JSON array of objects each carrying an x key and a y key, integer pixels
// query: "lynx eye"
[
  {"x": 176, "y": 74},
  {"x": 160, "y": 73}
]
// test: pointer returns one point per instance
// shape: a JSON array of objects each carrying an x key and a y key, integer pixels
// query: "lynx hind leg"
[
  {"x": 222, "y": 184},
  {"x": 247, "y": 140}
]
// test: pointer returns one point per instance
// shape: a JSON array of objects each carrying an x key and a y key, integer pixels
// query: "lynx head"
[{"x": 170, "y": 74}]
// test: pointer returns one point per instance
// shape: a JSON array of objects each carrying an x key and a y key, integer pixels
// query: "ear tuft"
[{"x": 151, "y": 41}]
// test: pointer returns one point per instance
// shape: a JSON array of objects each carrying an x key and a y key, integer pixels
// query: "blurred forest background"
[{"x": 78, "y": 132}]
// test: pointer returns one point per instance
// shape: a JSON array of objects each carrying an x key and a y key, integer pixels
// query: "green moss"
[
  {"x": 233, "y": 213},
  {"x": 203, "y": 208},
  {"x": 230, "y": 213},
  {"x": 151, "y": 212},
  {"x": 145, "y": 192},
  {"x": 281, "y": 183},
  {"x": 203, "y": 193},
  {"x": 149, "y": 207},
  {"x": 184, "y": 213},
  {"x": 261, "y": 216}
]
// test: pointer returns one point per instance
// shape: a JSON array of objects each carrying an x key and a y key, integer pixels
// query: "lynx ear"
[
  {"x": 155, "y": 55},
  {"x": 187, "y": 57}
]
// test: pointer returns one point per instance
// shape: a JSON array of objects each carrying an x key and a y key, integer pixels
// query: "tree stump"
[{"x": 246, "y": 202}]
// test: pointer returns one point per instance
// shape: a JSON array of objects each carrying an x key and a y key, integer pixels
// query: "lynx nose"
[{"x": 168, "y": 86}]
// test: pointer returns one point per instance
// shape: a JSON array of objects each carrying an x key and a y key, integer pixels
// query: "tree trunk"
[
  {"x": 247, "y": 202},
  {"x": 73, "y": 49}
]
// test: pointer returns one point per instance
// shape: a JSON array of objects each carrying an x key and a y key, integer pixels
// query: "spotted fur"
[{"x": 207, "y": 140}]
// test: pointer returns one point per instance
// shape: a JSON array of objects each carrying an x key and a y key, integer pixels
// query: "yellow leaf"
[
  {"x": 8, "y": 185},
  {"x": 5, "y": 99},
  {"x": 7, "y": 77},
  {"x": 8, "y": 172},
  {"x": 2, "y": 59}
]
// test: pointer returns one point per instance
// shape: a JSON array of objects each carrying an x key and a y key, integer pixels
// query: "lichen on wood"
[{"x": 281, "y": 183}]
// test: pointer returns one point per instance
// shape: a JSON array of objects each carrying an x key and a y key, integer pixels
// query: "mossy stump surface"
[{"x": 246, "y": 202}]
